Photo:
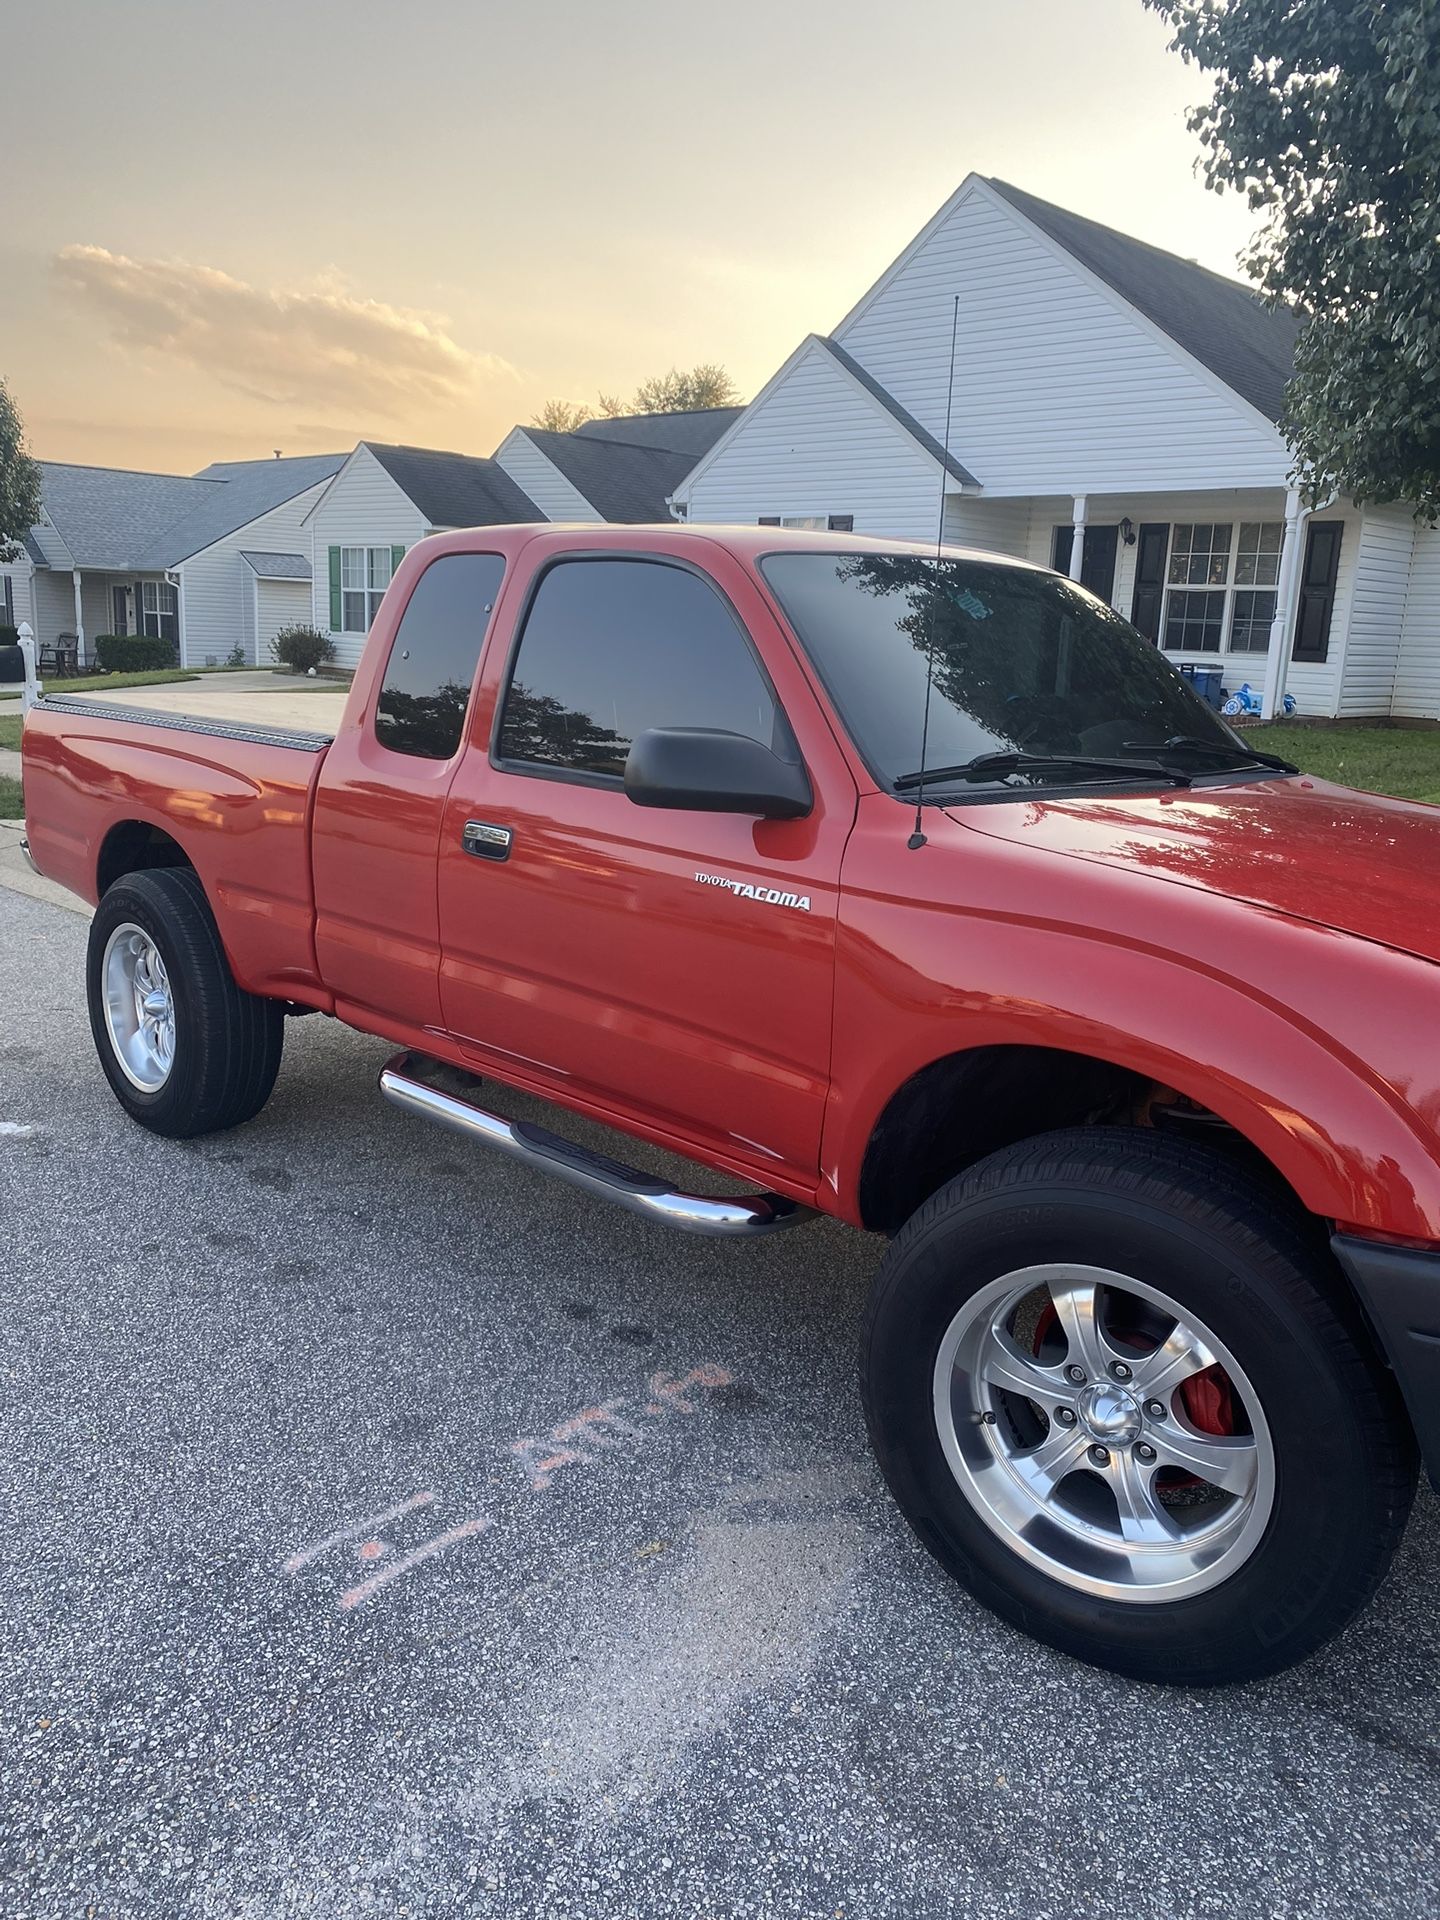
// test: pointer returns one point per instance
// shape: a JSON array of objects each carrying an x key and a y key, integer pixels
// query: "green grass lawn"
[
  {"x": 1395, "y": 760},
  {"x": 10, "y": 807},
  {"x": 97, "y": 682},
  {"x": 10, "y": 724}
]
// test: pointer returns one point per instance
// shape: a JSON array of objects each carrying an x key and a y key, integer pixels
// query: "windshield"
[{"x": 1025, "y": 663}]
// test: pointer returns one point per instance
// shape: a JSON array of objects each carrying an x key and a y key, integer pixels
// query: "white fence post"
[{"x": 32, "y": 690}]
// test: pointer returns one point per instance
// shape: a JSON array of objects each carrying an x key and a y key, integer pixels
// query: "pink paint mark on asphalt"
[
  {"x": 357, "y": 1529},
  {"x": 356, "y": 1596}
]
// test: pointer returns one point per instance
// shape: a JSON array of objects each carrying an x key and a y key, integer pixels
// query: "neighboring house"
[
  {"x": 386, "y": 498},
  {"x": 622, "y": 470},
  {"x": 206, "y": 561},
  {"x": 1113, "y": 413},
  {"x": 379, "y": 504}
]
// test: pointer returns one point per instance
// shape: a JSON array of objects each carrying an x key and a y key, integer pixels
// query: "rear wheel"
[
  {"x": 1124, "y": 1398},
  {"x": 185, "y": 1049}
]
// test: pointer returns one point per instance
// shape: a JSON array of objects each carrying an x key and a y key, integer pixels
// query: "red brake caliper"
[{"x": 1208, "y": 1398}]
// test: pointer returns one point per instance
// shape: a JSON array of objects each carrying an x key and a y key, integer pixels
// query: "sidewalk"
[{"x": 16, "y": 877}]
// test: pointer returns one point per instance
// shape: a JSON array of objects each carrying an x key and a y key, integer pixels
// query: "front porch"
[
  {"x": 1243, "y": 580},
  {"x": 73, "y": 609}
]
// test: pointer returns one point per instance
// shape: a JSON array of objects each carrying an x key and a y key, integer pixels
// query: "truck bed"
[{"x": 232, "y": 798}]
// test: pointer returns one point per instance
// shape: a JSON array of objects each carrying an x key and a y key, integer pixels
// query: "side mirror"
[{"x": 707, "y": 771}]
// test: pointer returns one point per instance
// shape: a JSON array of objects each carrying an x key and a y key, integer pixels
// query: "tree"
[
  {"x": 19, "y": 480},
  {"x": 677, "y": 391},
  {"x": 1326, "y": 114},
  {"x": 560, "y": 416}
]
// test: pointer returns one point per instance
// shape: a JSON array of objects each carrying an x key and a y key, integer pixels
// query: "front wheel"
[
  {"x": 1123, "y": 1397},
  {"x": 185, "y": 1049}
]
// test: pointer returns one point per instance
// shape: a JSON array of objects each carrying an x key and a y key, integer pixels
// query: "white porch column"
[
  {"x": 79, "y": 619},
  {"x": 1286, "y": 596},
  {"x": 1077, "y": 536}
]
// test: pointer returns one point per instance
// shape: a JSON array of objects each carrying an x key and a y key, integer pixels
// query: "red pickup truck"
[{"x": 912, "y": 888}]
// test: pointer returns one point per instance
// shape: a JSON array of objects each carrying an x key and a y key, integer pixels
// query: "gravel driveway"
[{"x": 386, "y": 1530}]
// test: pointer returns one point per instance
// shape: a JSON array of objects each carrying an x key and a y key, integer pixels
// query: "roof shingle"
[{"x": 456, "y": 489}]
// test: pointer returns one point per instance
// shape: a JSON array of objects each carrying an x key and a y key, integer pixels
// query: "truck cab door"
[
  {"x": 380, "y": 805},
  {"x": 672, "y": 970}
]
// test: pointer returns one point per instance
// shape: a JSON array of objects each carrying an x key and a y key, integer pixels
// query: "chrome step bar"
[{"x": 737, "y": 1216}]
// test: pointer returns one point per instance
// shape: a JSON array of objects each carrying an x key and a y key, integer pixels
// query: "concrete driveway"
[
  {"x": 386, "y": 1530},
  {"x": 261, "y": 697}
]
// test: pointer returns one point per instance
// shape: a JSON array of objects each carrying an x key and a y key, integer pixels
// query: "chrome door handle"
[{"x": 487, "y": 841}]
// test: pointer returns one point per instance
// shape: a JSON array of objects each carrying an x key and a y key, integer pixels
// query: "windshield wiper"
[
  {"x": 995, "y": 766},
  {"x": 1213, "y": 749}
]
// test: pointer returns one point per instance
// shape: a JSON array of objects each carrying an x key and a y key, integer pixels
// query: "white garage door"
[{"x": 279, "y": 603}]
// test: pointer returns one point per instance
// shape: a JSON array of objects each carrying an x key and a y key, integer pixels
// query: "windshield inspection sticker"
[{"x": 742, "y": 890}]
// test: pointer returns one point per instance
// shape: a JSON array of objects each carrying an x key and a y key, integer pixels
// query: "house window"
[
  {"x": 1221, "y": 584},
  {"x": 159, "y": 617},
  {"x": 7, "y": 601},
  {"x": 364, "y": 576}
]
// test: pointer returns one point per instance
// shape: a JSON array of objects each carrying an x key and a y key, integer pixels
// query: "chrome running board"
[{"x": 738, "y": 1216}]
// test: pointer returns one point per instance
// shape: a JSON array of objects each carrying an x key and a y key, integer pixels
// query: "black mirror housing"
[{"x": 703, "y": 770}]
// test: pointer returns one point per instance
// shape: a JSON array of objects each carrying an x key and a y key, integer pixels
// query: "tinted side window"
[
  {"x": 611, "y": 647},
  {"x": 421, "y": 709}
]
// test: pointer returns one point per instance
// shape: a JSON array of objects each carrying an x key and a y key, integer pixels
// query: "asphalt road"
[{"x": 386, "y": 1530}]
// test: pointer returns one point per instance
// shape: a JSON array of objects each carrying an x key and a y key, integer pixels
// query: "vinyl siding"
[
  {"x": 1417, "y": 679},
  {"x": 20, "y": 573},
  {"x": 1058, "y": 385},
  {"x": 994, "y": 526},
  {"x": 1384, "y": 542},
  {"x": 361, "y": 507},
  {"x": 219, "y": 586},
  {"x": 534, "y": 472},
  {"x": 816, "y": 443}
]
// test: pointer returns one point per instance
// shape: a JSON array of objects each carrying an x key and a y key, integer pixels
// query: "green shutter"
[
  {"x": 397, "y": 554},
  {"x": 335, "y": 611}
]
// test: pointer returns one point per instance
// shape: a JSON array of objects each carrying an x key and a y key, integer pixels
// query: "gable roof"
[
  {"x": 893, "y": 407},
  {"x": 625, "y": 483},
  {"x": 456, "y": 489},
  {"x": 694, "y": 431},
  {"x": 1223, "y": 324},
  {"x": 112, "y": 518}
]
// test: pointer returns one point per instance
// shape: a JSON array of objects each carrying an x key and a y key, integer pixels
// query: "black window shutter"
[
  {"x": 841, "y": 523},
  {"x": 1062, "y": 545},
  {"x": 1317, "y": 591},
  {"x": 1152, "y": 544}
]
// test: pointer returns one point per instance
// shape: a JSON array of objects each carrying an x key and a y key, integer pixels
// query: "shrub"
[
  {"x": 132, "y": 653},
  {"x": 302, "y": 648},
  {"x": 236, "y": 656}
]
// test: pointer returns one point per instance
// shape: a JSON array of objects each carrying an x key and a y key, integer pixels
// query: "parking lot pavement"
[{"x": 386, "y": 1530}]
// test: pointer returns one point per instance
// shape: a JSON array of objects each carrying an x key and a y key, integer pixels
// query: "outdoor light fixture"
[{"x": 1127, "y": 532}]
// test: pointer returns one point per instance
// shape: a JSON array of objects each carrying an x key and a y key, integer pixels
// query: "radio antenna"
[{"x": 917, "y": 838}]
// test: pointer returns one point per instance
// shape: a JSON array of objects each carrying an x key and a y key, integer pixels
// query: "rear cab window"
[{"x": 425, "y": 691}]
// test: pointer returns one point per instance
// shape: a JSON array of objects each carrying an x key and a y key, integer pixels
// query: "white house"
[
  {"x": 1113, "y": 413},
  {"x": 206, "y": 561},
  {"x": 384, "y": 499}
]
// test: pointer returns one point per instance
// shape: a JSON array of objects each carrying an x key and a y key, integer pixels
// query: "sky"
[{"x": 294, "y": 224}]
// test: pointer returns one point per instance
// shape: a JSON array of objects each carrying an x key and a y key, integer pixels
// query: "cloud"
[{"x": 320, "y": 347}]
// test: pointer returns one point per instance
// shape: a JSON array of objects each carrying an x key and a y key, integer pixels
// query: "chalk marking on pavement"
[
  {"x": 355, "y": 1530},
  {"x": 15, "y": 1130},
  {"x": 602, "y": 1427},
  {"x": 466, "y": 1530}
]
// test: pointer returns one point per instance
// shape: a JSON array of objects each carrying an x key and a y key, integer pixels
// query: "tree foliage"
[
  {"x": 19, "y": 480},
  {"x": 681, "y": 390},
  {"x": 1326, "y": 114}
]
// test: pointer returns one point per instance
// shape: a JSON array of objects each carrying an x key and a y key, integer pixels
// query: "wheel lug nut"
[
  {"x": 1100, "y": 1455},
  {"x": 1119, "y": 1370},
  {"x": 1144, "y": 1451},
  {"x": 1155, "y": 1409},
  {"x": 1066, "y": 1416},
  {"x": 1077, "y": 1374}
]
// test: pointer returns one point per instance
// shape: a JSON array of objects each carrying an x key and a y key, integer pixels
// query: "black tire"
[
  {"x": 227, "y": 1041},
  {"x": 1255, "y": 1271}
]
